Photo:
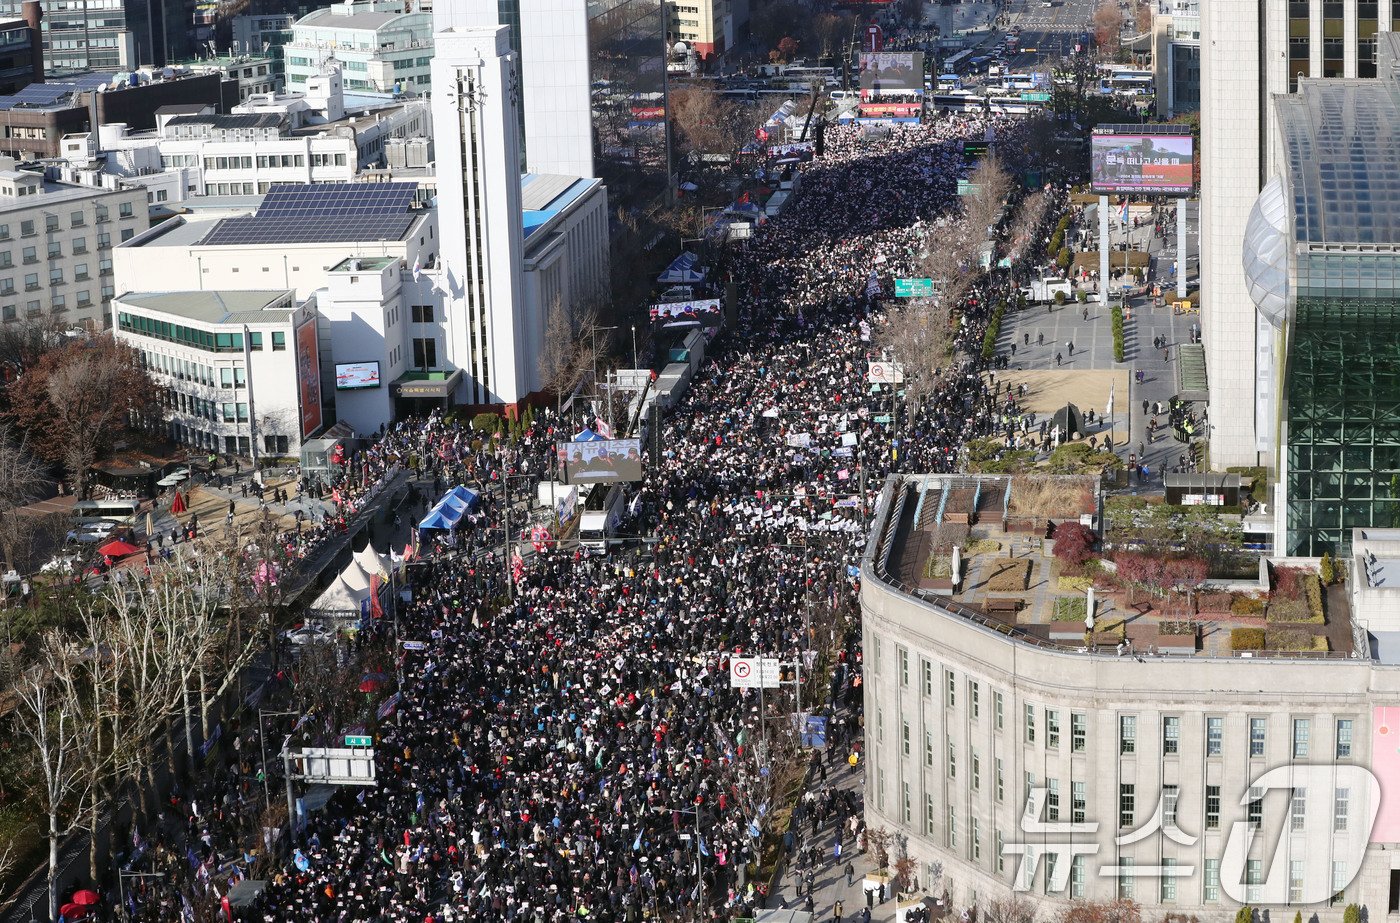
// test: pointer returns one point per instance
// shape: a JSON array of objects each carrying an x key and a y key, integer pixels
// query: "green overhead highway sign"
[{"x": 913, "y": 288}]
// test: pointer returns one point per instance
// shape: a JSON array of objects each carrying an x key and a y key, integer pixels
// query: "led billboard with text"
[{"x": 1149, "y": 164}]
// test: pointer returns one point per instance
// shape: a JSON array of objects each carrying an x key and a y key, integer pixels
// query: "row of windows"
[
  {"x": 29, "y": 226},
  {"x": 57, "y": 304},
  {"x": 1301, "y": 740},
  {"x": 199, "y": 339},
  {"x": 31, "y": 280}
]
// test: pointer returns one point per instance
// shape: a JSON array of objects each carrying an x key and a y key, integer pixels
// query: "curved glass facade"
[{"x": 627, "y": 58}]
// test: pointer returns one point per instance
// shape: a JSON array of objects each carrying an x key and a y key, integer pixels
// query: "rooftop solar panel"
[
  {"x": 289, "y": 229},
  {"x": 337, "y": 200}
]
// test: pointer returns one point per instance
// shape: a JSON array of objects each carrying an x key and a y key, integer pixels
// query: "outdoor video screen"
[
  {"x": 891, "y": 73},
  {"x": 352, "y": 376},
  {"x": 603, "y": 460},
  {"x": 1156, "y": 164}
]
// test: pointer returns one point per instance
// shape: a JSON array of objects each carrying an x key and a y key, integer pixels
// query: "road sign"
[
  {"x": 358, "y": 740},
  {"x": 913, "y": 288},
  {"x": 880, "y": 373},
  {"x": 415, "y": 645},
  {"x": 753, "y": 672},
  {"x": 882, "y": 418}
]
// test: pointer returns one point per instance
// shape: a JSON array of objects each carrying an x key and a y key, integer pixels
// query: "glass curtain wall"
[{"x": 631, "y": 142}]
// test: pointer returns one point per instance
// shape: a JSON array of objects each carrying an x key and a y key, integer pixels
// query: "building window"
[
  {"x": 1298, "y": 809},
  {"x": 1000, "y": 844},
  {"x": 1339, "y": 882},
  {"x": 1171, "y": 735},
  {"x": 1210, "y": 894},
  {"x": 1078, "y": 800},
  {"x": 900, "y": 653},
  {"x": 1170, "y": 794},
  {"x": 30, "y": 255},
  {"x": 1125, "y": 878},
  {"x": 1050, "y": 858},
  {"x": 998, "y": 712},
  {"x": 1078, "y": 732},
  {"x": 928, "y": 678},
  {"x": 928, "y": 748},
  {"x": 908, "y": 815},
  {"x": 424, "y": 352},
  {"x": 1030, "y": 724},
  {"x": 279, "y": 341},
  {"x": 1253, "y": 880},
  {"x": 423, "y": 314},
  {"x": 1076, "y": 878},
  {"x": 929, "y": 815},
  {"x": 974, "y": 700},
  {"x": 55, "y": 276},
  {"x": 1168, "y": 881},
  {"x": 976, "y": 761},
  {"x": 1254, "y": 811},
  {"x": 127, "y": 210},
  {"x": 1302, "y": 730},
  {"x": 952, "y": 838},
  {"x": 1052, "y": 799},
  {"x": 1127, "y": 803},
  {"x": 904, "y": 735},
  {"x": 1344, "y": 738},
  {"x": 55, "y": 250},
  {"x": 1000, "y": 780},
  {"x": 1127, "y": 734},
  {"x": 1212, "y": 807},
  {"x": 950, "y": 689},
  {"x": 76, "y": 219},
  {"x": 1052, "y": 729},
  {"x": 1341, "y": 804},
  {"x": 952, "y": 759},
  {"x": 975, "y": 835},
  {"x": 1256, "y": 737},
  {"x": 1215, "y": 736}
]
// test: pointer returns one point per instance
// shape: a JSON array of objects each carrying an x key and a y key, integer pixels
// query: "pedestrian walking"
[
  {"x": 1058, "y": 358},
  {"x": 1040, "y": 339},
  {"x": 1070, "y": 345},
  {"x": 837, "y": 910},
  {"x": 850, "y": 874}
]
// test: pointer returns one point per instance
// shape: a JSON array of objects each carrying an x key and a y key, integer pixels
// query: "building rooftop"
[
  {"x": 974, "y": 547},
  {"x": 543, "y": 196},
  {"x": 336, "y": 17},
  {"x": 1342, "y": 141},
  {"x": 322, "y": 213},
  {"x": 226, "y": 122},
  {"x": 269, "y": 306},
  {"x": 54, "y": 194}
]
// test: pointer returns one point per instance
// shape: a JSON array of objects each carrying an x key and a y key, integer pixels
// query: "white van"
[
  {"x": 598, "y": 527},
  {"x": 841, "y": 96}
]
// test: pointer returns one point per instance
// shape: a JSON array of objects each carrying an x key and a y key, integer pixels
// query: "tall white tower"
[{"x": 475, "y": 122}]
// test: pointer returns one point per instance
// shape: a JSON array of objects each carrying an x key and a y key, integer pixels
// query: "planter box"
[{"x": 1178, "y": 642}]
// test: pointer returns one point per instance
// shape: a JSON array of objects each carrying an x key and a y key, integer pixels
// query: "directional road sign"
[
  {"x": 358, "y": 740},
  {"x": 913, "y": 288}
]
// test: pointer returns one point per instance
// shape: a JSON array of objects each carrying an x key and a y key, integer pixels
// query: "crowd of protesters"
[{"x": 568, "y": 745}]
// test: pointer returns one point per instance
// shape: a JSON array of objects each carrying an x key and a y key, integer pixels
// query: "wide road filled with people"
[{"x": 554, "y": 745}]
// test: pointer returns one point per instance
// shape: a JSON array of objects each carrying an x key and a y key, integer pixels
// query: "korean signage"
[
  {"x": 308, "y": 378},
  {"x": 913, "y": 288},
  {"x": 753, "y": 672},
  {"x": 881, "y": 373},
  {"x": 1153, "y": 164}
]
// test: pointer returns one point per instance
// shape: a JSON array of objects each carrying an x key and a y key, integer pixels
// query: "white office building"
[
  {"x": 379, "y": 46},
  {"x": 1251, "y": 51},
  {"x": 237, "y": 368},
  {"x": 56, "y": 243}
]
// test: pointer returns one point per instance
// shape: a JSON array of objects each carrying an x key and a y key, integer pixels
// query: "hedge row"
[
  {"x": 989, "y": 339},
  {"x": 1118, "y": 355}
]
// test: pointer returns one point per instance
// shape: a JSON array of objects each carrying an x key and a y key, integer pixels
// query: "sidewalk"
[{"x": 829, "y": 885}]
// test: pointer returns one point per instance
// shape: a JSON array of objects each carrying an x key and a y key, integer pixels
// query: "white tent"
[
  {"x": 373, "y": 562},
  {"x": 340, "y": 597},
  {"x": 356, "y": 577}
]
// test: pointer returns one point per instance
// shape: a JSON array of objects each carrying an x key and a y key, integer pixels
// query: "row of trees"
[{"x": 96, "y": 703}]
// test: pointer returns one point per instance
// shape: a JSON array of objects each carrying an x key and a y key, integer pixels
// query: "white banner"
[{"x": 883, "y": 373}]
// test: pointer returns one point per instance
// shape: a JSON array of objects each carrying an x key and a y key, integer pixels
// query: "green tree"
[
  {"x": 1352, "y": 914},
  {"x": 1328, "y": 569}
]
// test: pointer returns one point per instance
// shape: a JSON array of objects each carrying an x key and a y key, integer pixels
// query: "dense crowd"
[{"x": 558, "y": 738}]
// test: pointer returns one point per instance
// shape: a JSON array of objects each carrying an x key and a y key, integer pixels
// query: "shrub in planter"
[
  {"x": 1176, "y": 628},
  {"x": 1247, "y": 605},
  {"x": 1070, "y": 609},
  {"x": 1246, "y": 639}
]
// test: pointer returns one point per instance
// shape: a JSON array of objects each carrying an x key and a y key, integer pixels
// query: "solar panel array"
[
  {"x": 43, "y": 95},
  {"x": 322, "y": 213}
]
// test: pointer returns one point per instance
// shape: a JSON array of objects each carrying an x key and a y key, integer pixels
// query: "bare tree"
[
  {"x": 1012, "y": 909},
  {"x": 991, "y": 186},
  {"x": 1026, "y": 226},
  {"x": 568, "y": 347},
  {"x": 52, "y": 732},
  {"x": 22, "y": 481},
  {"x": 1108, "y": 26},
  {"x": 706, "y": 121}
]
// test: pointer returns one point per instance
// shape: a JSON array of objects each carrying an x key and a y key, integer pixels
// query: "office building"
[
  {"x": 1322, "y": 260},
  {"x": 1010, "y": 759},
  {"x": 265, "y": 34},
  {"x": 243, "y": 74},
  {"x": 115, "y": 35},
  {"x": 1249, "y": 53},
  {"x": 511, "y": 247},
  {"x": 631, "y": 130},
  {"x": 236, "y": 367},
  {"x": 709, "y": 27},
  {"x": 56, "y": 243},
  {"x": 1176, "y": 57},
  {"x": 379, "y": 47},
  {"x": 291, "y": 138}
]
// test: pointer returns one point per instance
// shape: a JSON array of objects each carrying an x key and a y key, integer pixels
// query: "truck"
[
  {"x": 1044, "y": 289},
  {"x": 602, "y": 516}
]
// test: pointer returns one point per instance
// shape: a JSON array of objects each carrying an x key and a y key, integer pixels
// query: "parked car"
[{"x": 92, "y": 532}]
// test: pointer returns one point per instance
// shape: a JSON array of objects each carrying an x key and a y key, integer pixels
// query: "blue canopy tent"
[
  {"x": 588, "y": 435},
  {"x": 465, "y": 494},
  {"x": 683, "y": 269},
  {"x": 440, "y": 519}
]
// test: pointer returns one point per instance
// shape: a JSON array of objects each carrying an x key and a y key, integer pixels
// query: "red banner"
[
  {"x": 649, "y": 113},
  {"x": 891, "y": 110}
]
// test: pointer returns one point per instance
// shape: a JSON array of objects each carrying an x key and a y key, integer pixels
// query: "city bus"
[
  {"x": 955, "y": 61},
  {"x": 1023, "y": 81},
  {"x": 1127, "y": 82}
]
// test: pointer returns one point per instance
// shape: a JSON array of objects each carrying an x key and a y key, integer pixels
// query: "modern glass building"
[
  {"x": 111, "y": 35},
  {"x": 631, "y": 134},
  {"x": 1322, "y": 260}
]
